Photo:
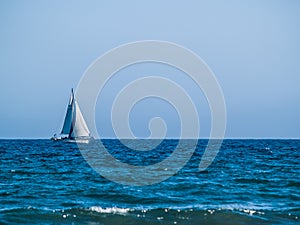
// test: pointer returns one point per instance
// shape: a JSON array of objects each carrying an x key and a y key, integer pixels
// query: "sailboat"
[{"x": 74, "y": 127}]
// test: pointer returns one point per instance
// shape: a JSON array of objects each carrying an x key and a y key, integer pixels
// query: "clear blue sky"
[{"x": 253, "y": 47}]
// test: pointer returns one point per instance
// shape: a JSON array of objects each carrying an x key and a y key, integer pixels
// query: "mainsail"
[
  {"x": 68, "y": 119},
  {"x": 74, "y": 124},
  {"x": 79, "y": 126}
]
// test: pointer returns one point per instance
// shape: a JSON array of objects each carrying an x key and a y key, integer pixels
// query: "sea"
[{"x": 249, "y": 182}]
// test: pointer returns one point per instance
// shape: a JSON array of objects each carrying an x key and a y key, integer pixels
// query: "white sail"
[
  {"x": 68, "y": 119},
  {"x": 80, "y": 128}
]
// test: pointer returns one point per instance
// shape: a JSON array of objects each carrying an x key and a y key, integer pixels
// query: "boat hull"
[{"x": 69, "y": 140}]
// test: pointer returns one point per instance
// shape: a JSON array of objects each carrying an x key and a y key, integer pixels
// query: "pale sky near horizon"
[{"x": 253, "y": 48}]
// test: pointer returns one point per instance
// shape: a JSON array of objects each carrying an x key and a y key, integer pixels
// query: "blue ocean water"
[{"x": 249, "y": 182}]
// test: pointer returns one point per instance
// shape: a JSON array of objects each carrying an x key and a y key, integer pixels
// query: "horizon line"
[{"x": 168, "y": 138}]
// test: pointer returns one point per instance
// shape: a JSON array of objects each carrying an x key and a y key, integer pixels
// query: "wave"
[
  {"x": 113, "y": 210},
  {"x": 227, "y": 214}
]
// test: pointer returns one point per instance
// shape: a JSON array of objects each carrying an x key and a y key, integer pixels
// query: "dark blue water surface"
[{"x": 249, "y": 182}]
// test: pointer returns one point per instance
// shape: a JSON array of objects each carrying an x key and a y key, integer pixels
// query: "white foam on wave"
[
  {"x": 113, "y": 210},
  {"x": 250, "y": 208}
]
